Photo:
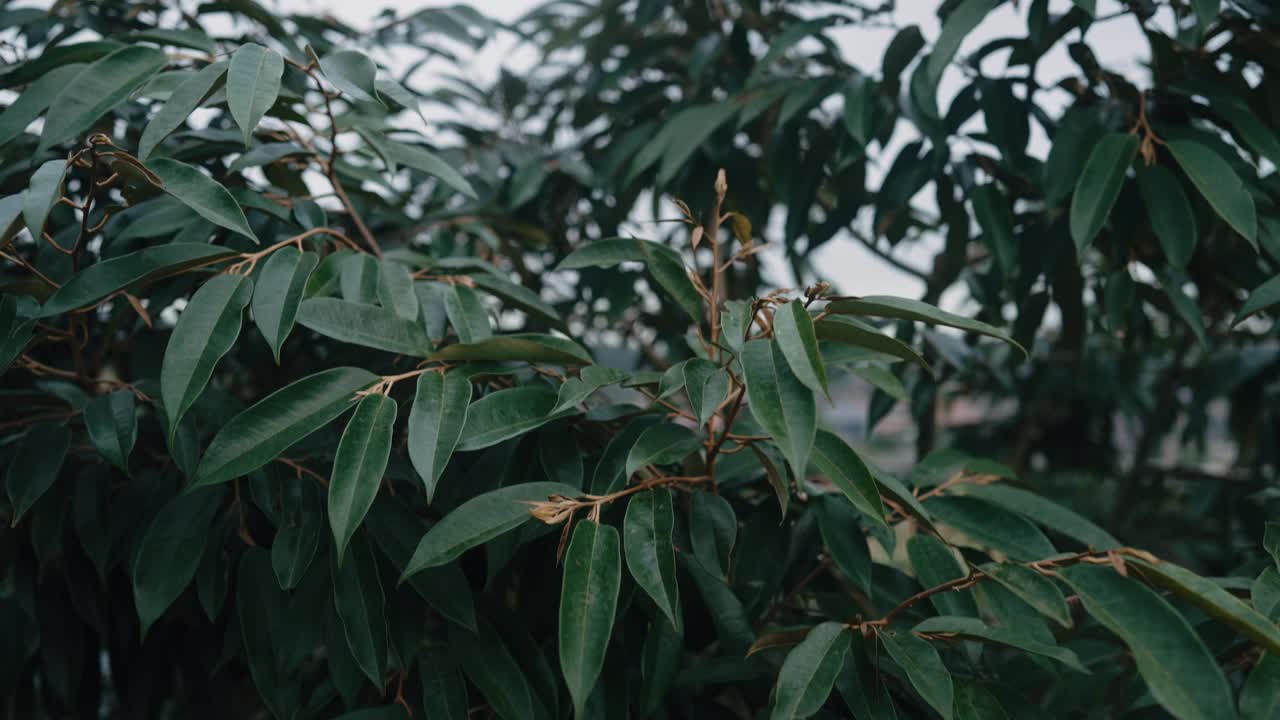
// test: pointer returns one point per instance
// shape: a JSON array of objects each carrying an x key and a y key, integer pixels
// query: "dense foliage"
[{"x": 310, "y": 412}]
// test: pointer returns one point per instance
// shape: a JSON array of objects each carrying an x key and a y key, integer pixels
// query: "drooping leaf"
[
  {"x": 1219, "y": 184},
  {"x": 1099, "y": 186},
  {"x": 206, "y": 330},
  {"x": 1170, "y": 211},
  {"x": 253, "y": 83},
  {"x": 664, "y": 264},
  {"x": 43, "y": 191},
  {"x": 1210, "y": 597},
  {"x": 779, "y": 401},
  {"x": 810, "y": 671},
  {"x": 367, "y": 325},
  {"x": 260, "y": 433},
  {"x": 969, "y": 627},
  {"x": 202, "y": 194},
  {"x": 112, "y": 423},
  {"x": 924, "y": 668},
  {"x": 661, "y": 444},
  {"x": 397, "y": 529},
  {"x": 845, "y": 543},
  {"x": 184, "y": 100},
  {"x": 713, "y": 531},
  {"x": 478, "y": 521},
  {"x": 517, "y": 347},
  {"x": 1263, "y": 297},
  {"x": 351, "y": 72},
  {"x": 842, "y": 466},
  {"x": 794, "y": 332},
  {"x": 35, "y": 466},
  {"x": 505, "y": 414},
  {"x": 358, "y": 598},
  {"x": 906, "y": 309},
  {"x": 435, "y": 423},
  {"x": 651, "y": 559},
  {"x": 1179, "y": 670},
  {"x": 299, "y": 533},
  {"x": 262, "y": 609},
  {"x": 490, "y": 666},
  {"x": 467, "y": 315},
  {"x": 96, "y": 89},
  {"x": 588, "y": 603},
  {"x": 444, "y": 693},
  {"x": 277, "y": 294},
  {"x": 358, "y": 466},
  {"x": 170, "y": 552}
]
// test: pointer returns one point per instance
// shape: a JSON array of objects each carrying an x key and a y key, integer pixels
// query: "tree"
[{"x": 306, "y": 424}]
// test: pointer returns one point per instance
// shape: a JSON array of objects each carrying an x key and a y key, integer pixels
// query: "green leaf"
[
  {"x": 590, "y": 379},
  {"x": 1179, "y": 670},
  {"x": 1263, "y": 297},
  {"x": 1078, "y": 131},
  {"x": 206, "y": 330},
  {"x": 1219, "y": 184},
  {"x": 1099, "y": 186},
  {"x": 201, "y": 193},
  {"x": 366, "y": 325},
  {"x": 266, "y": 154},
  {"x": 588, "y": 604},
  {"x": 992, "y": 211},
  {"x": 34, "y": 100},
  {"x": 260, "y": 433},
  {"x": 505, "y": 414},
  {"x": 421, "y": 160},
  {"x": 610, "y": 473},
  {"x": 1043, "y": 512},
  {"x": 782, "y": 405},
  {"x": 358, "y": 467},
  {"x": 95, "y": 90},
  {"x": 185, "y": 99},
  {"x": 935, "y": 564},
  {"x": 358, "y": 598},
  {"x": 277, "y": 294},
  {"x": 435, "y": 423},
  {"x": 253, "y": 83},
  {"x": 883, "y": 380},
  {"x": 651, "y": 557},
  {"x": 851, "y": 331},
  {"x": 1173, "y": 282},
  {"x": 920, "y": 661},
  {"x": 101, "y": 279},
  {"x": 906, "y": 309},
  {"x": 845, "y": 543},
  {"x": 713, "y": 530},
  {"x": 489, "y": 665},
  {"x": 664, "y": 265},
  {"x": 794, "y": 332},
  {"x": 444, "y": 693},
  {"x": 395, "y": 290},
  {"x": 300, "y": 531},
  {"x": 1260, "y": 698},
  {"x": 264, "y": 627},
  {"x": 479, "y": 520},
  {"x": 843, "y": 467},
  {"x": 662, "y": 444},
  {"x": 112, "y": 423},
  {"x": 1211, "y": 598},
  {"x": 1170, "y": 211},
  {"x": 973, "y": 702},
  {"x": 520, "y": 297},
  {"x": 35, "y": 465},
  {"x": 810, "y": 671},
  {"x": 973, "y": 628},
  {"x": 1249, "y": 125},
  {"x": 992, "y": 527},
  {"x": 517, "y": 347},
  {"x": 351, "y": 72},
  {"x": 41, "y": 195},
  {"x": 396, "y": 528},
  {"x": 467, "y": 314},
  {"x": 1033, "y": 588},
  {"x": 170, "y": 552}
]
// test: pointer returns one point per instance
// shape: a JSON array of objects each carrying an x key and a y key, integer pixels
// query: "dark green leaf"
[
  {"x": 358, "y": 467},
  {"x": 662, "y": 444},
  {"x": 505, "y": 414},
  {"x": 935, "y": 564},
  {"x": 1219, "y": 184},
  {"x": 489, "y": 665},
  {"x": 1170, "y": 211},
  {"x": 202, "y": 194},
  {"x": 170, "y": 552},
  {"x": 843, "y": 538},
  {"x": 41, "y": 195},
  {"x": 96, "y": 89},
  {"x": 259, "y": 434},
  {"x": 588, "y": 603},
  {"x": 1180, "y": 672},
  {"x": 713, "y": 530},
  {"x": 101, "y": 279},
  {"x": 665, "y": 265},
  {"x": 810, "y": 671},
  {"x": 277, "y": 293},
  {"x": 185, "y": 99},
  {"x": 466, "y": 314},
  {"x": 779, "y": 401},
  {"x": 969, "y": 627},
  {"x": 1099, "y": 186},
  {"x": 253, "y": 83},
  {"x": 367, "y": 325},
  {"x": 651, "y": 557},
  {"x": 794, "y": 332},
  {"x": 993, "y": 214},
  {"x": 1033, "y": 588},
  {"x": 435, "y": 423},
  {"x": 923, "y": 667},
  {"x": 34, "y": 100},
  {"x": 351, "y": 72},
  {"x": 1260, "y": 698},
  {"x": 518, "y": 347},
  {"x": 906, "y": 309},
  {"x": 991, "y": 527},
  {"x": 444, "y": 693},
  {"x": 480, "y": 520},
  {"x": 298, "y": 536},
  {"x": 1043, "y": 512},
  {"x": 395, "y": 290},
  {"x": 1211, "y": 598},
  {"x": 851, "y": 331},
  {"x": 206, "y": 330},
  {"x": 357, "y": 596},
  {"x": 35, "y": 465},
  {"x": 842, "y": 466},
  {"x": 1263, "y": 297},
  {"x": 112, "y": 423}
]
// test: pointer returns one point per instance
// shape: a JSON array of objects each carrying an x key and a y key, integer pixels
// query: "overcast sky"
[{"x": 1118, "y": 44}]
